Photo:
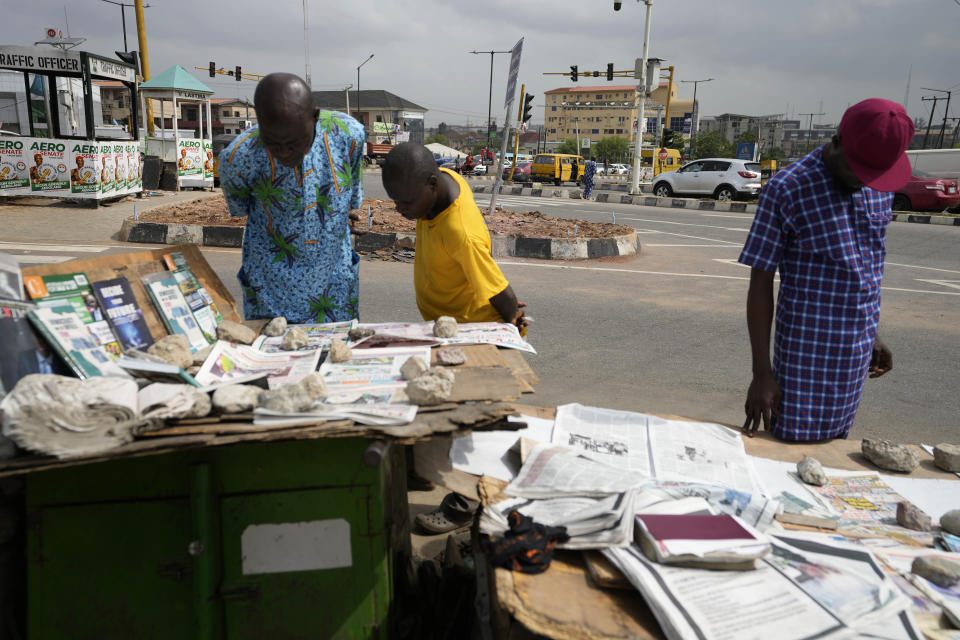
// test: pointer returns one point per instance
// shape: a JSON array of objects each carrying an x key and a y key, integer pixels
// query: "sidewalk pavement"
[{"x": 30, "y": 218}]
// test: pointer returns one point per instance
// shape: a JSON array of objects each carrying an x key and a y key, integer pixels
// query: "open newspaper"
[
  {"x": 370, "y": 369},
  {"x": 499, "y": 334},
  {"x": 802, "y": 590},
  {"x": 237, "y": 363},
  {"x": 657, "y": 448},
  {"x": 319, "y": 336}
]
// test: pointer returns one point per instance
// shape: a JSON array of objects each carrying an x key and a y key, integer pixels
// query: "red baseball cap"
[{"x": 874, "y": 135}]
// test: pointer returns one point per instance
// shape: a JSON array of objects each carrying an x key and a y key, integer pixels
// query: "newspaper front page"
[{"x": 235, "y": 363}]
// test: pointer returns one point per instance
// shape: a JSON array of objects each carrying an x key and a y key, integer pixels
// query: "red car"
[
  {"x": 521, "y": 174},
  {"x": 927, "y": 193}
]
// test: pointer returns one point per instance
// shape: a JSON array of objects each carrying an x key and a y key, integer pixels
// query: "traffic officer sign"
[{"x": 514, "y": 72}]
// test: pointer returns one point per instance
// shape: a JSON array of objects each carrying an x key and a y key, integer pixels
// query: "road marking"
[
  {"x": 953, "y": 284},
  {"x": 718, "y": 215},
  {"x": 83, "y": 248},
  {"x": 725, "y": 246},
  {"x": 732, "y": 261},
  {"x": 685, "y": 224},
  {"x": 913, "y": 266},
  {"x": 34, "y": 258},
  {"x": 680, "y": 235}
]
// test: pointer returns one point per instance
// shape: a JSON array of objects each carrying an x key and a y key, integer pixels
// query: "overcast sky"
[{"x": 767, "y": 56}]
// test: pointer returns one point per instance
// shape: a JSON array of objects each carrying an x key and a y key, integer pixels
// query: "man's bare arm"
[
  {"x": 764, "y": 394},
  {"x": 509, "y": 309}
]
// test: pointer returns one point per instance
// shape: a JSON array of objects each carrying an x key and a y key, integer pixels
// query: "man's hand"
[
  {"x": 763, "y": 399},
  {"x": 520, "y": 320},
  {"x": 355, "y": 227},
  {"x": 882, "y": 359}
]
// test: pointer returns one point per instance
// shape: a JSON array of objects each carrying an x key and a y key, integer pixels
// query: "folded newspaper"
[
  {"x": 237, "y": 363},
  {"x": 500, "y": 334}
]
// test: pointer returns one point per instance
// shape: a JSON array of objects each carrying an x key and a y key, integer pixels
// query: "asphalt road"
[{"x": 665, "y": 332}]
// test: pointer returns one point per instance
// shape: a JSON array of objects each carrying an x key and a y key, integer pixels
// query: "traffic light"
[
  {"x": 609, "y": 71},
  {"x": 668, "y": 135},
  {"x": 573, "y": 72},
  {"x": 130, "y": 57},
  {"x": 213, "y": 69},
  {"x": 236, "y": 74},
  {"x": 527, "y": 107}
]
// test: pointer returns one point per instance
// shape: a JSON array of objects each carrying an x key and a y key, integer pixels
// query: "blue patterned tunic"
[
  {"x": 297, "y": 258},
  {"x": 589, "y": 171},
  {"x": 829, "y": 248}
]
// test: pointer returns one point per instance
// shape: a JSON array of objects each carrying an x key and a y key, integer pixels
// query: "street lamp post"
[
  {"x": 695, "y": 116},
  {"x": 641, "y": 107},
  {"x": 946, "y": 112},
  {"x": 358, "y": 86},
  {"x": 306, "y": 49},
  {"x": 490, "y": 94},
  {"x": 123, "y": 17}
]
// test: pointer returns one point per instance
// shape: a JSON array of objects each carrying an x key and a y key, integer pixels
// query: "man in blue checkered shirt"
[{"x": 822, "y": 222}]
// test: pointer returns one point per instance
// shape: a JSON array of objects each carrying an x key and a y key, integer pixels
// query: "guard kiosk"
[
  {"x": 58, "y": 153},
  {"x": 184, "y": 99}
]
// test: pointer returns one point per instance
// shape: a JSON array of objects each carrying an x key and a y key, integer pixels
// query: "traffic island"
[{"x": 381, "y": 228}]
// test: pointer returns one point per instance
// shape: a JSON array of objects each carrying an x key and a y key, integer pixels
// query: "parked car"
[
  {"x": 557, "y": 168},
  {"x": 926, "y": 192},
  {"x": 520, "y": 174},
  {"x": 722, "y": 178},
  {"x": 619, "y": 169},
  {"x": 480, "y": 170}
]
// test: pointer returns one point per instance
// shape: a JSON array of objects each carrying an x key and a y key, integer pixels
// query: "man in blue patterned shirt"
[
  {"x": 822, "y": 222},
  {"x": 296, "y": 177}
]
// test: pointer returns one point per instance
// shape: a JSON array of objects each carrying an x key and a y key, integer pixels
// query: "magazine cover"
[
  {"x": 65, "y": 331},
  {"x": 173, "y": 308},
  {"x": 11, "y": 280},
  {"x": 123, "y": 314},
  {"x": 22, "y": 350},
  {"x": 198, "y": 298}
]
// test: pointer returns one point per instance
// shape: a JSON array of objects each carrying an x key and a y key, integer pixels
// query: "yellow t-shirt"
[{"x": 453, "y": 272}]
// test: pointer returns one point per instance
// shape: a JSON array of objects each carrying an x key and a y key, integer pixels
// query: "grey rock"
[
  {"x": 275, "y": 327},
  {"x": 294, "y": 340},
  {"x": 940, "y": 571},
  {"x": 889, "y": 455},
  {"x": 314, "y": 385},
  {"x": 201, "y": 356},
  {"x": 445, "y": 327},
  {"x": 235, "y": 332},
  {"x": 339, "y": 351},
  {"x": 174, "y": 349},
  {"x": 911, "y": 516},
  {"x": 413, "y": 368},
  {"x": 359, "y": 333},
  {"x": 947, "y": 457},
  {"x": 433, "y": 387},
  {"x": 451, "y": 356},
  {"x": 950, "y": 522},
  {"x": 236, "y": 398},
  {"x": 289, "y": 399},
  {"x": 202, "y": 404},
  {"x": 811, "y": 471}
]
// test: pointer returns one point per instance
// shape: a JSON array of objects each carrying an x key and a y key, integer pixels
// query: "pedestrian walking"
[
  {"x": 822, "y": 223},
  {"x": 588, "y": 172}
]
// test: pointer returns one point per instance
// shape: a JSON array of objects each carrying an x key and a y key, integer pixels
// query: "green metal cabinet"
[{"x": 255, "y": 540}]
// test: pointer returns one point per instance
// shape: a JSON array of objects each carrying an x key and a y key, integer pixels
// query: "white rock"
[
  {"x": 236, "y": 398},
  {"x": 275, "y": 327},
  {"x": 289, "y": 399},
  {"x": 314, "y": 385},
  {"x": 202, "y": 404},
  {"x": 445, "y": 327},
  {"x": 811, "y": 471},
  {"x": 294, "y": 340},
  {"x": 201, "y": 356},
  {"x": 235, "y": 332},
  {"x": 950, "y": 522},
  {"x": 173, "y": 349},
  {"x": 433, "y": 387},
  {"x": 339, "y": 351},
  {"x": 413, "y": 368}
]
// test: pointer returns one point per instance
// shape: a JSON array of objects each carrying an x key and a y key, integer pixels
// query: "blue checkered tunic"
[{"x": 829, "y": 248}]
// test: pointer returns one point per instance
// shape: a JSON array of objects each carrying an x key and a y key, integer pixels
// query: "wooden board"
[
  {"x": 478, "y": 355},
  {"x": 485, "y": 383},
  {"x": 603, "y": 573},
  {"x": 563, "y": 603},
  {"x": 133, "y": 266},
  {"x": 519, "y": 365}
]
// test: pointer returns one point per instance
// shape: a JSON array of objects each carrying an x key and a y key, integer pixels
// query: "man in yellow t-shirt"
[{"x": 453, "y": 273}]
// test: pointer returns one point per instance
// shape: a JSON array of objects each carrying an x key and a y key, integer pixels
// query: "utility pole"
[
  {"x": 642, "y": 88},
  {"x": 123, "y": 18},
  {"x": 695, "y": 116},
  {"x": 144, "y": 61},
  {"x": 666, "y": 113},
  {"x": 306, "y": 50},
  {"x": 490, "y": 94},
  {"x": 346, "y": 92},
  {"x": 810, "y": 127},
  {"x": 946, "y": 112},
  {"x": 933, "y": 110}
]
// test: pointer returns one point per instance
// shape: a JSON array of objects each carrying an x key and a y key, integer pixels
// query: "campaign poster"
[
  {"x": 84, "y": 167},
  {"x": 48, "y": 169},
  {"x": 134, "y": 167},
  {"x": 120, "y": 167},
  {"x": 208, "y": 160},
  {"x": 107, "y": 168},
  {"x": 13, "y": 164},
  {"x": 189, "y": 157}
]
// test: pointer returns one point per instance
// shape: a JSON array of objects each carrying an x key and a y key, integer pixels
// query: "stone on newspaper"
[
  {"x": 911, "y": 516},
  {"x": 445, "y": 327},
  {"x": 811, "y": 471},
  {"x": 294, "y": 340},
  {"x": 950, "y": 522},
  {"x": 201, "y": 406},
  {"x": 275, "y": 327},
  {"x": 940, "y": 571},
  {"x": 451, "y": 356},
  {"x": 289, "y": 399},
  {"x": 890, "y": 456},
  {"x": 314, "y": 385},
  {"x": 143, "y": 355},
  {"x": 339, "y": 351},
  {"x": 173, "y": 349},
  {"x": 235, "y": 332},
  {"x": 413, "y": 368},
  {"x": 359, "y": 333},
  {"x": 201, "y": 356},
  {"x": 947, "y": 457},
  {"x": 432, "y": 387},
  {"x": 236, "y": 398}
]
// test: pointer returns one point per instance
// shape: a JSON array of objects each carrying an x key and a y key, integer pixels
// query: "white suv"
[{"x": 722, "y": 178}]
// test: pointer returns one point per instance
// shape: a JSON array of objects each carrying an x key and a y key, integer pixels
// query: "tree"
[
  {"x": 611, "y": 149},
  {"x": 438, "y": 138},
  {"x": 711, "y": 144},
  {"x": 746, "y": 136},
  {"x": 568, "y": 146},
  {"x": 773, "y": 154},
  {"x": 442, "y": 128}
]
